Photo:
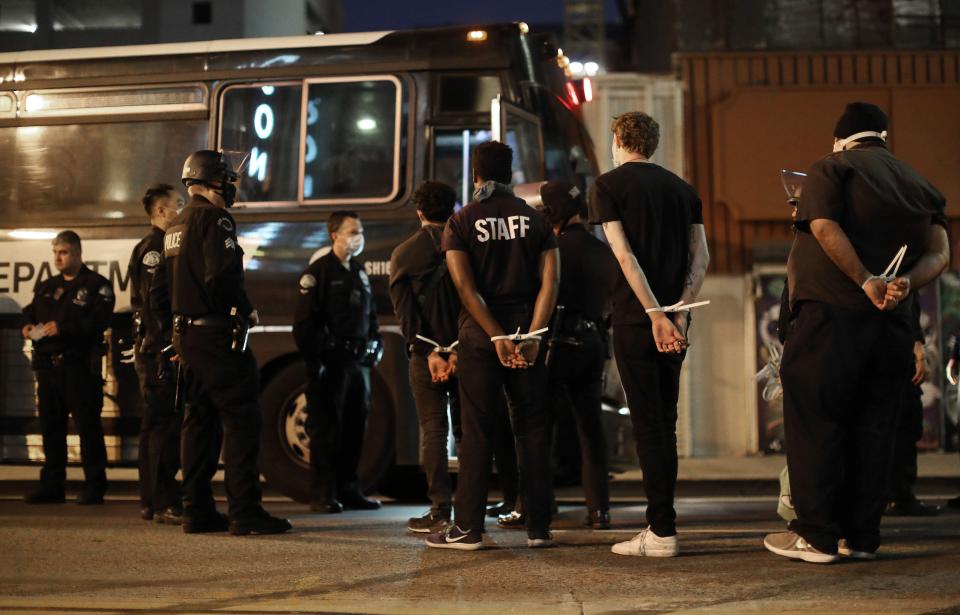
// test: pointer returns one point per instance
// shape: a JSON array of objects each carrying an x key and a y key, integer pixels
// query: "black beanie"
[
  {"x": 860, "y": 117},
  {"x": 561, "y": 201}
]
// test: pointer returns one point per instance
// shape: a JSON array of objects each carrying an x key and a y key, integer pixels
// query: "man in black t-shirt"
[
  {"x": 504, "y": 261},
  {"x": 654, "y": 223},
  {"x": 849, "y": 337}
]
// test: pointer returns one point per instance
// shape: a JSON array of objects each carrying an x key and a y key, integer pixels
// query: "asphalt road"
[{"x": 71, "y": 559}]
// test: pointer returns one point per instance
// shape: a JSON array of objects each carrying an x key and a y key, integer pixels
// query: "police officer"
[
  {"x": 159, "y": 449},
  {"x": 202, "y": 283},
  {"x": 335, "y": 328},
  {"x": 578, "y": 340},
  {"x": 849, "y": 342},
  {"x": 654, "y": 224},
  {"x": 504, "y": 261},
  {"x": 427, "y": 304},
  {"x": 66, "y": 321}
]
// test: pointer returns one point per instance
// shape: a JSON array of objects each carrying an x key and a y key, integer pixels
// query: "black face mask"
[{"x": 229, "y": 194}]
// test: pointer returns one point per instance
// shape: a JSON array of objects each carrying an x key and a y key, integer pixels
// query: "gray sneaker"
[
  {"x": 428, "y": 523},
  {"x": 845, "y": 550},
  {"x": 794, "y": 546}
]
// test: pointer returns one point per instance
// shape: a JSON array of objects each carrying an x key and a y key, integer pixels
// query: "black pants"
[
  {"x": 651, "y": 380},
  {"x": 338, "y": 403},
  {"x": 576, "y": 383},
  {"x": 74, "y": 388},
  {"x": 222, "y": 406},
  {"x": 159, "y": 451},
  {"x": 432, "y": 399},
  {"x": 842, "y": 374},
  {"x": 483, "y": 381},
  {"x": 903, "y": 474}
]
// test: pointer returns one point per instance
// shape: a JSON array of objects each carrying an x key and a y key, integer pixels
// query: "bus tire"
[{"x": 284, "y": 442}]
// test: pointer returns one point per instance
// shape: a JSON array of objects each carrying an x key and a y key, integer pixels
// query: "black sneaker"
[
  {"x": 90, "y": 498},
  {"x": 261, "y": 523},
  {"x": 512, "y": 521},
  {"x": 911, "y": 508},
  {"x": 327, "y": 507},
  {"x": 171, "y": 515},
  {"x": 428, "y": 523},
  {"x": 500, "y": 508},
  {"x": 598, "y": 519},
  {"x": 454, "y": 538},
  {"x": 45, "y": 496},
  {"x": 146, "y": 513},
  {"x": 205, "y": 523},
  {"x": 540, "y": 539},
  {"x": 357, "y": 501}
]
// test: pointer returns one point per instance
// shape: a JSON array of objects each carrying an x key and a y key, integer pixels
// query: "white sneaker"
[{"x": 648, "y": 544}]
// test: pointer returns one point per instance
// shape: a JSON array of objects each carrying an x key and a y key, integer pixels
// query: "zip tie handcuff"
[
  {"x": 521, "y": 337},
  {"x": 890, "y": 273},
  {"x": 678, "y": 307},
  {"x": 437, "y": 347}
]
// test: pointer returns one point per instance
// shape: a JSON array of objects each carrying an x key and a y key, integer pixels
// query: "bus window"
[
  {"x": 352, "y": 148},
  {"x": 451, "y": 158},
  {"x": 466, "y": 93},
  {"x": 521, "y": 131},
  {"x": 265, "y": 121},
  {"x": 8, "y": 104}
]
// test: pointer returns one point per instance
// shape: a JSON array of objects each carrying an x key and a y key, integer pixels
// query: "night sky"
[{"x": 361, "y": 15}]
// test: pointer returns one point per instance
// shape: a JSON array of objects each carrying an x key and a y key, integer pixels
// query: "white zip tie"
[
  {"x": 678, "y": 307},
  {"x": 890, "y": 273},
  {"x": 521, "y": 337},
  {"x": 437, "y": 347}
]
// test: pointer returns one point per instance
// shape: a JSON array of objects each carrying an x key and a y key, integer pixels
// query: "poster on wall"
[{"x": 940, "y": 400}]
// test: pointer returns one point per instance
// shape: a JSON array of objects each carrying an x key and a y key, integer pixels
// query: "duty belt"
[{"x": 181, "y": 322}]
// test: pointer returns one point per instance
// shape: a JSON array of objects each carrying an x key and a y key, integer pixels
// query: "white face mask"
[
  {"x": 613, "y": 154},
  {"x": 840, "y": 144},
  {"x": 355, "y": 244}
]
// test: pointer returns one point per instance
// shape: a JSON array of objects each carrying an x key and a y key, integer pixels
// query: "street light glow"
[{"x": 367, "y": 124}]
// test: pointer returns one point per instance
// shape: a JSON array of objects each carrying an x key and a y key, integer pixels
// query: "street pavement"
[{"x": 72, "y": 559}]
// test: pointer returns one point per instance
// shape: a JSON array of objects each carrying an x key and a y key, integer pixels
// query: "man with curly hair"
[{"x": 654, "y": 223}]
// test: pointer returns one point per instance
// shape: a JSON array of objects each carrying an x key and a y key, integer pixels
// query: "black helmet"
[{"x": 207, "y": 166}]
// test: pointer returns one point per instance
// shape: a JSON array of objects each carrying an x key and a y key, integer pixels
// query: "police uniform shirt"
[
  {"x": 81, "y": 307},
  {"x": 144, "y": 264},
  {"x": 880, "y": 203},
  {"x": 433, "y": 312},
  {"x": 504, "y": 238},
  {"x": 204, "y": 262},
  {"x": 657, "y": 209},
  {"x": 588, "y": 273},
  {"x": 335, "y": 303}
]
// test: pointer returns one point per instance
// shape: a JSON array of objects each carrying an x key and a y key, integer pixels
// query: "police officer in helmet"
[{"x": 203, "y": 287}]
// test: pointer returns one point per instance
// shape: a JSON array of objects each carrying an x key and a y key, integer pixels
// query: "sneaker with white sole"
[
  {"x": 844, "y": 549},
  {"x": 430, "y": 522},
  {"x": 540, "y": 539},
  {"x": 454, "y": 538},
  {"x": 789, "y": 544},
  {"x": 648, "y": 544}
]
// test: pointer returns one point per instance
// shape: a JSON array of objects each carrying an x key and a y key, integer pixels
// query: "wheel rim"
[{"x": 293, "y": 429}]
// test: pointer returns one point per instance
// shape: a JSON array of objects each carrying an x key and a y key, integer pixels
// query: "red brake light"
[
  {"x": 587, "y": 90},
  {"x": 572, "y": 94}
]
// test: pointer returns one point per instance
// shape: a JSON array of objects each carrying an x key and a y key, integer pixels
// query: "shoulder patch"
[
  {"x": 364, "y": 278},
  {"x": 307, "y": 281},
  {"x": 106, "y": 291},
  {"x": 151, "y": 258},
  {"x": 225, "y": 223}
]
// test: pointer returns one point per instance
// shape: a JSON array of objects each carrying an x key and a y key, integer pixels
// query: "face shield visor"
[
  {"x": 235, "y": 163},
  {"x": 793, "y": 185}
]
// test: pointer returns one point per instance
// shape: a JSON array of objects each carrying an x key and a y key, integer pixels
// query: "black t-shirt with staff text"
[
  {"x": 504, "y": 238},
  {"x": 657, "y": 209}
]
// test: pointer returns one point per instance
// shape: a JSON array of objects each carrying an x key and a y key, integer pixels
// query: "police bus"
[{"x": 344, "y": 121}]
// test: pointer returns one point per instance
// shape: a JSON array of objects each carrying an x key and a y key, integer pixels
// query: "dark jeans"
[
  {"x": 432, "y": 399},
  {"x": 651, "y": 381},
  {"x": 842, "y": 374},
  {"x": 337, "y": 405},
  {"x": 159, "y": 449},
  {"x": 483, "y": 381},
  {"x": 76, "y": 389},
  {"x": 903, "y": 475},
  {"x": 575, "y": 383},
  {"x": 222, "y": 389}
]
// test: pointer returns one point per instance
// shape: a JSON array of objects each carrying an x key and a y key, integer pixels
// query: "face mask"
[
  {"x": 229, "y": 194},
  {"x": 355, "y": 244},
  {"x": 613, "y": 154},
  {"x": 840, "y": 144}
]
